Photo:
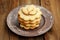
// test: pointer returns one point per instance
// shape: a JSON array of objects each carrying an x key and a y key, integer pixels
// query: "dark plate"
[{"x": 45, "y": 25}]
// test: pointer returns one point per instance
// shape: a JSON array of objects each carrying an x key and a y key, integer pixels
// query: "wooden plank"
[
  {"x": 56, "y": 15},
  {"x": 32, "y": 38},
  {"x": 24, "y": 2},
  {"x": 54, "y": 7},
  {"x": 3, "y": 31},
  {"x": 46, "y": 4},
  {"x": 5, "y": 7},
  {"x": 14, "y": 4}
]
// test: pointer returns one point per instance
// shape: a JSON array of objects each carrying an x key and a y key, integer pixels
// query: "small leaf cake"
[{"x": 29, "y": 17}]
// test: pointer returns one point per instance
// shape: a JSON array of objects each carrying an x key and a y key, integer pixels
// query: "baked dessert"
[{"x": 29, "y": 17}]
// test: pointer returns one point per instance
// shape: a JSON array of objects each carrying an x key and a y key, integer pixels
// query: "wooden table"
[{"x": 7, "y": 5}]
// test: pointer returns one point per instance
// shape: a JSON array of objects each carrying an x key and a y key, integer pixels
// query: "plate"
[{"x": 45, "y": 25}]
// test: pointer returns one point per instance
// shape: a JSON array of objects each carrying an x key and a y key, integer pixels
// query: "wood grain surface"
[
  {"x": 54, "y": 7},
  {"x": 7, "y": 5}
]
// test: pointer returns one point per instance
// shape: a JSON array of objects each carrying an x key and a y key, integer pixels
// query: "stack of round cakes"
[{"x": 29, "y": 17}]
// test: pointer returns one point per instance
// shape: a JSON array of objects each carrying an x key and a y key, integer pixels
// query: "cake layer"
[
  {"x": 20, "y": 19},
  {"x": 29, "y": 27},
  {"x": 28, "y": 21},
  {"x": 30, "y": 24}
]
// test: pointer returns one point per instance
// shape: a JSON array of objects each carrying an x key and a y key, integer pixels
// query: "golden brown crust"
[
  {"x": 30, "y": 22},
  {"x": 29, "y": 10},
  {"x": 28, "y": 14},
  {"x": 27, "y": 27}
]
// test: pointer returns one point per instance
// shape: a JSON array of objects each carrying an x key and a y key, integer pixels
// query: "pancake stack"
[{"x": 29, "y": 17}]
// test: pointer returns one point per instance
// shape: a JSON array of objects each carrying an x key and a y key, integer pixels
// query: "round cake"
[{"x": 29, "y": 17}]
